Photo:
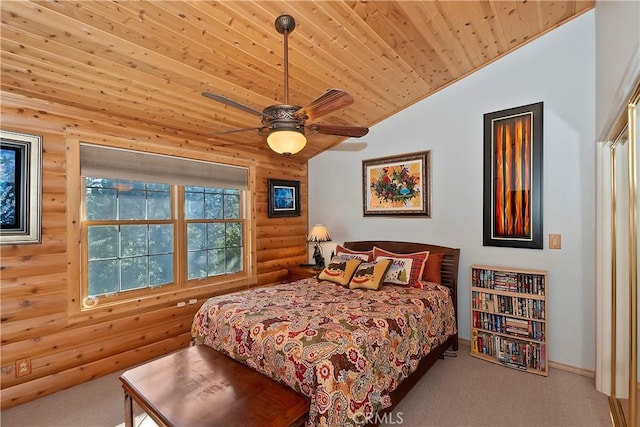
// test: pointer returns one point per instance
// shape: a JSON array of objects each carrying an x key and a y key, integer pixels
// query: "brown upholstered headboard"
[{"x": 450, "y": 260}]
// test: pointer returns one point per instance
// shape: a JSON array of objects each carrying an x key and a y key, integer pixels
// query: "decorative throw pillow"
[
  {"x": 405, "y": 269},
  {"x": 339, "y": 270},
  {"x": 348, "y": 253},
  {"x": 432, "y": 268},
  {"x": 369, "y": 275}
]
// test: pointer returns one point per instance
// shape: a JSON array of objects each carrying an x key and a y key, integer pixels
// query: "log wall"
[{"x": 34, "y": 287}]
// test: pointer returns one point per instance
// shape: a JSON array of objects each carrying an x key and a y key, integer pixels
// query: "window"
[
  {"x": 129, "y": 231},
  {"x": 140, "y": 237},
  {"x": 214, "y": 234}
]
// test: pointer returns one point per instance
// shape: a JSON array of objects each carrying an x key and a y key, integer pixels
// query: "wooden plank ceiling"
[{"x": 149, "y": 61}]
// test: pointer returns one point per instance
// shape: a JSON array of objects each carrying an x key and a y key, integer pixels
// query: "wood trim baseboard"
[
  {"x": 572, "y": 369},
  {"x": 555, "y": 365}
]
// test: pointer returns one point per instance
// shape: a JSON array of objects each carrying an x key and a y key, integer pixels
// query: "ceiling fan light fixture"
[
  {"x": 286, "y": 142},
  {"x": 284, "y": 124}
]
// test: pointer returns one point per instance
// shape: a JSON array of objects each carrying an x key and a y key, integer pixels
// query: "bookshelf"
[{"x": 508, "y": 317}]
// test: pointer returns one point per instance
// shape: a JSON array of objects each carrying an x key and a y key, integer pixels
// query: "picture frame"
[
  {"x": 21, "y": 188},
  {"x": 512, "y": 181},
  {"x": 284, "y": 198},
  {"x": 397, "y": 185}
]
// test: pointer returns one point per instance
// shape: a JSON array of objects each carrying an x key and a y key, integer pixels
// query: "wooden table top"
[{"x": 199, "y": 386}]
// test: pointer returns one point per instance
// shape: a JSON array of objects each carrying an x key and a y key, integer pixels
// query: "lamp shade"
[
  {"x": 286, "y": 142},
  {"x": 319, "y": 233}
]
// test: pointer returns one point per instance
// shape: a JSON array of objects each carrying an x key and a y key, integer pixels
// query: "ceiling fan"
[
  {"x": 349, "y": 146},
  {"x": 285, "y": 125}
]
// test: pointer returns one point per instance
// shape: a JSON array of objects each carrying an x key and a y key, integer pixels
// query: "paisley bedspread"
[{"x": 345, "y": 349}]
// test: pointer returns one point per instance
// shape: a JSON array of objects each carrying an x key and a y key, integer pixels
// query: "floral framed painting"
[
  {"x": 397, "y": 185},
  {"x": 512, "y": 211},
  {"x": 284, "y": 198},
  {"x": 20, "y": 187}
]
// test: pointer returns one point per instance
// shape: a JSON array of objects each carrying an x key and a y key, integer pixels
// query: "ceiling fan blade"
[
  {"x": 231, "y": 103},
  {"x": 353, "y": 131},
  {"x": 328, "y": 102},
  {"x": 349, "y": 146},
  {"x": 222, "y": 132}
]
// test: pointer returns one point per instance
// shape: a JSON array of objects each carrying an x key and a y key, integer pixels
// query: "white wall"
[
  {"x": 617, "y": 59},
  {"x": 557, "y": 69}
]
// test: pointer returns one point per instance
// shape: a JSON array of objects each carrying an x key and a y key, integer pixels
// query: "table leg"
[{"x": 128, "y": 410}]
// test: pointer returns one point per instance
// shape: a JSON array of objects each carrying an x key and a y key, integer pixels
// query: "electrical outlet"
[{"x": 23, "y": 367}]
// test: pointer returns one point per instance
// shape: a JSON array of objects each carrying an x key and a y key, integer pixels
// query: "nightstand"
[{"x": 298, "y": 272}]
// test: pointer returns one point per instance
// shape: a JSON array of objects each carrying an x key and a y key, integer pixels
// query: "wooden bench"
[{"x": 199, "y": 386}]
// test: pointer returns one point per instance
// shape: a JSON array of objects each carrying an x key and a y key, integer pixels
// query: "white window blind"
[{"x": 104, "y": 162}]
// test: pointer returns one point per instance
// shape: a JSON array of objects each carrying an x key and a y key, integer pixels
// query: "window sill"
[{"x": 162, "y": 299}]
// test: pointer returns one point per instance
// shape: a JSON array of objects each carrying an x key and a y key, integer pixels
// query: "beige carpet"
[
  {"x": 458, "y": 391},
  {"x": 465, "y": 391}
]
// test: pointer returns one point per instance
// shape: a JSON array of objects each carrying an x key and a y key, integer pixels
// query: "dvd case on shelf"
[{"x": 508, "y": 317}]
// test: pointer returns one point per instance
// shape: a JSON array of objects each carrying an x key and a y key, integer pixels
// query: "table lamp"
[{"x": 318, "y": 234}]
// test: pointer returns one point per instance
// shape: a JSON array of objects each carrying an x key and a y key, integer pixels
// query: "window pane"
[
  {"x": 215, "y": 235},
  {"x": 193, "y": 205},
  {"x": 154, "y": 186},
  {"x": 231, "y": 206},
  {"x": 133, "y": 240},
  {"x": 158, "y": 205},
  {"x": 131, "y": 204},
  {"x": 103, "y": 277},
  {"x": 160, "y": 269},
  {"x": 102, "y": 242},
  {"x": 213, "y": 206},
  {"x": 197, "y": 267},
  {"x": 100, "y": 203},
  {"x": 215, "y": 258},
  {"x": 160, "y": 239},
  {"x": 126, "y": 185},
  {"x": 234, "y": 260},
  {"x": 134, "y": 273},
  {"x": 234, "y": 234},
  {"x": 100, "y": 182},
  {"x": 196, "y": 237}
]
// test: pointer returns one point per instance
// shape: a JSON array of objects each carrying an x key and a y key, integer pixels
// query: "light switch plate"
[{"x": 555, "y": 241}]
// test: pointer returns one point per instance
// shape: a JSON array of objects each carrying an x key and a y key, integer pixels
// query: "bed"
[{"x": 354, "y": 352}]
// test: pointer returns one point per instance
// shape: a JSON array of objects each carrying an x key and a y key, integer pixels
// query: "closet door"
[
  {"x": 617, "y": 268},
  {"x": 634, "y": 256}
]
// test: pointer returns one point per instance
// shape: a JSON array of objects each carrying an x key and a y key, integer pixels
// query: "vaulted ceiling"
[{"x": 150, "y": 61}]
